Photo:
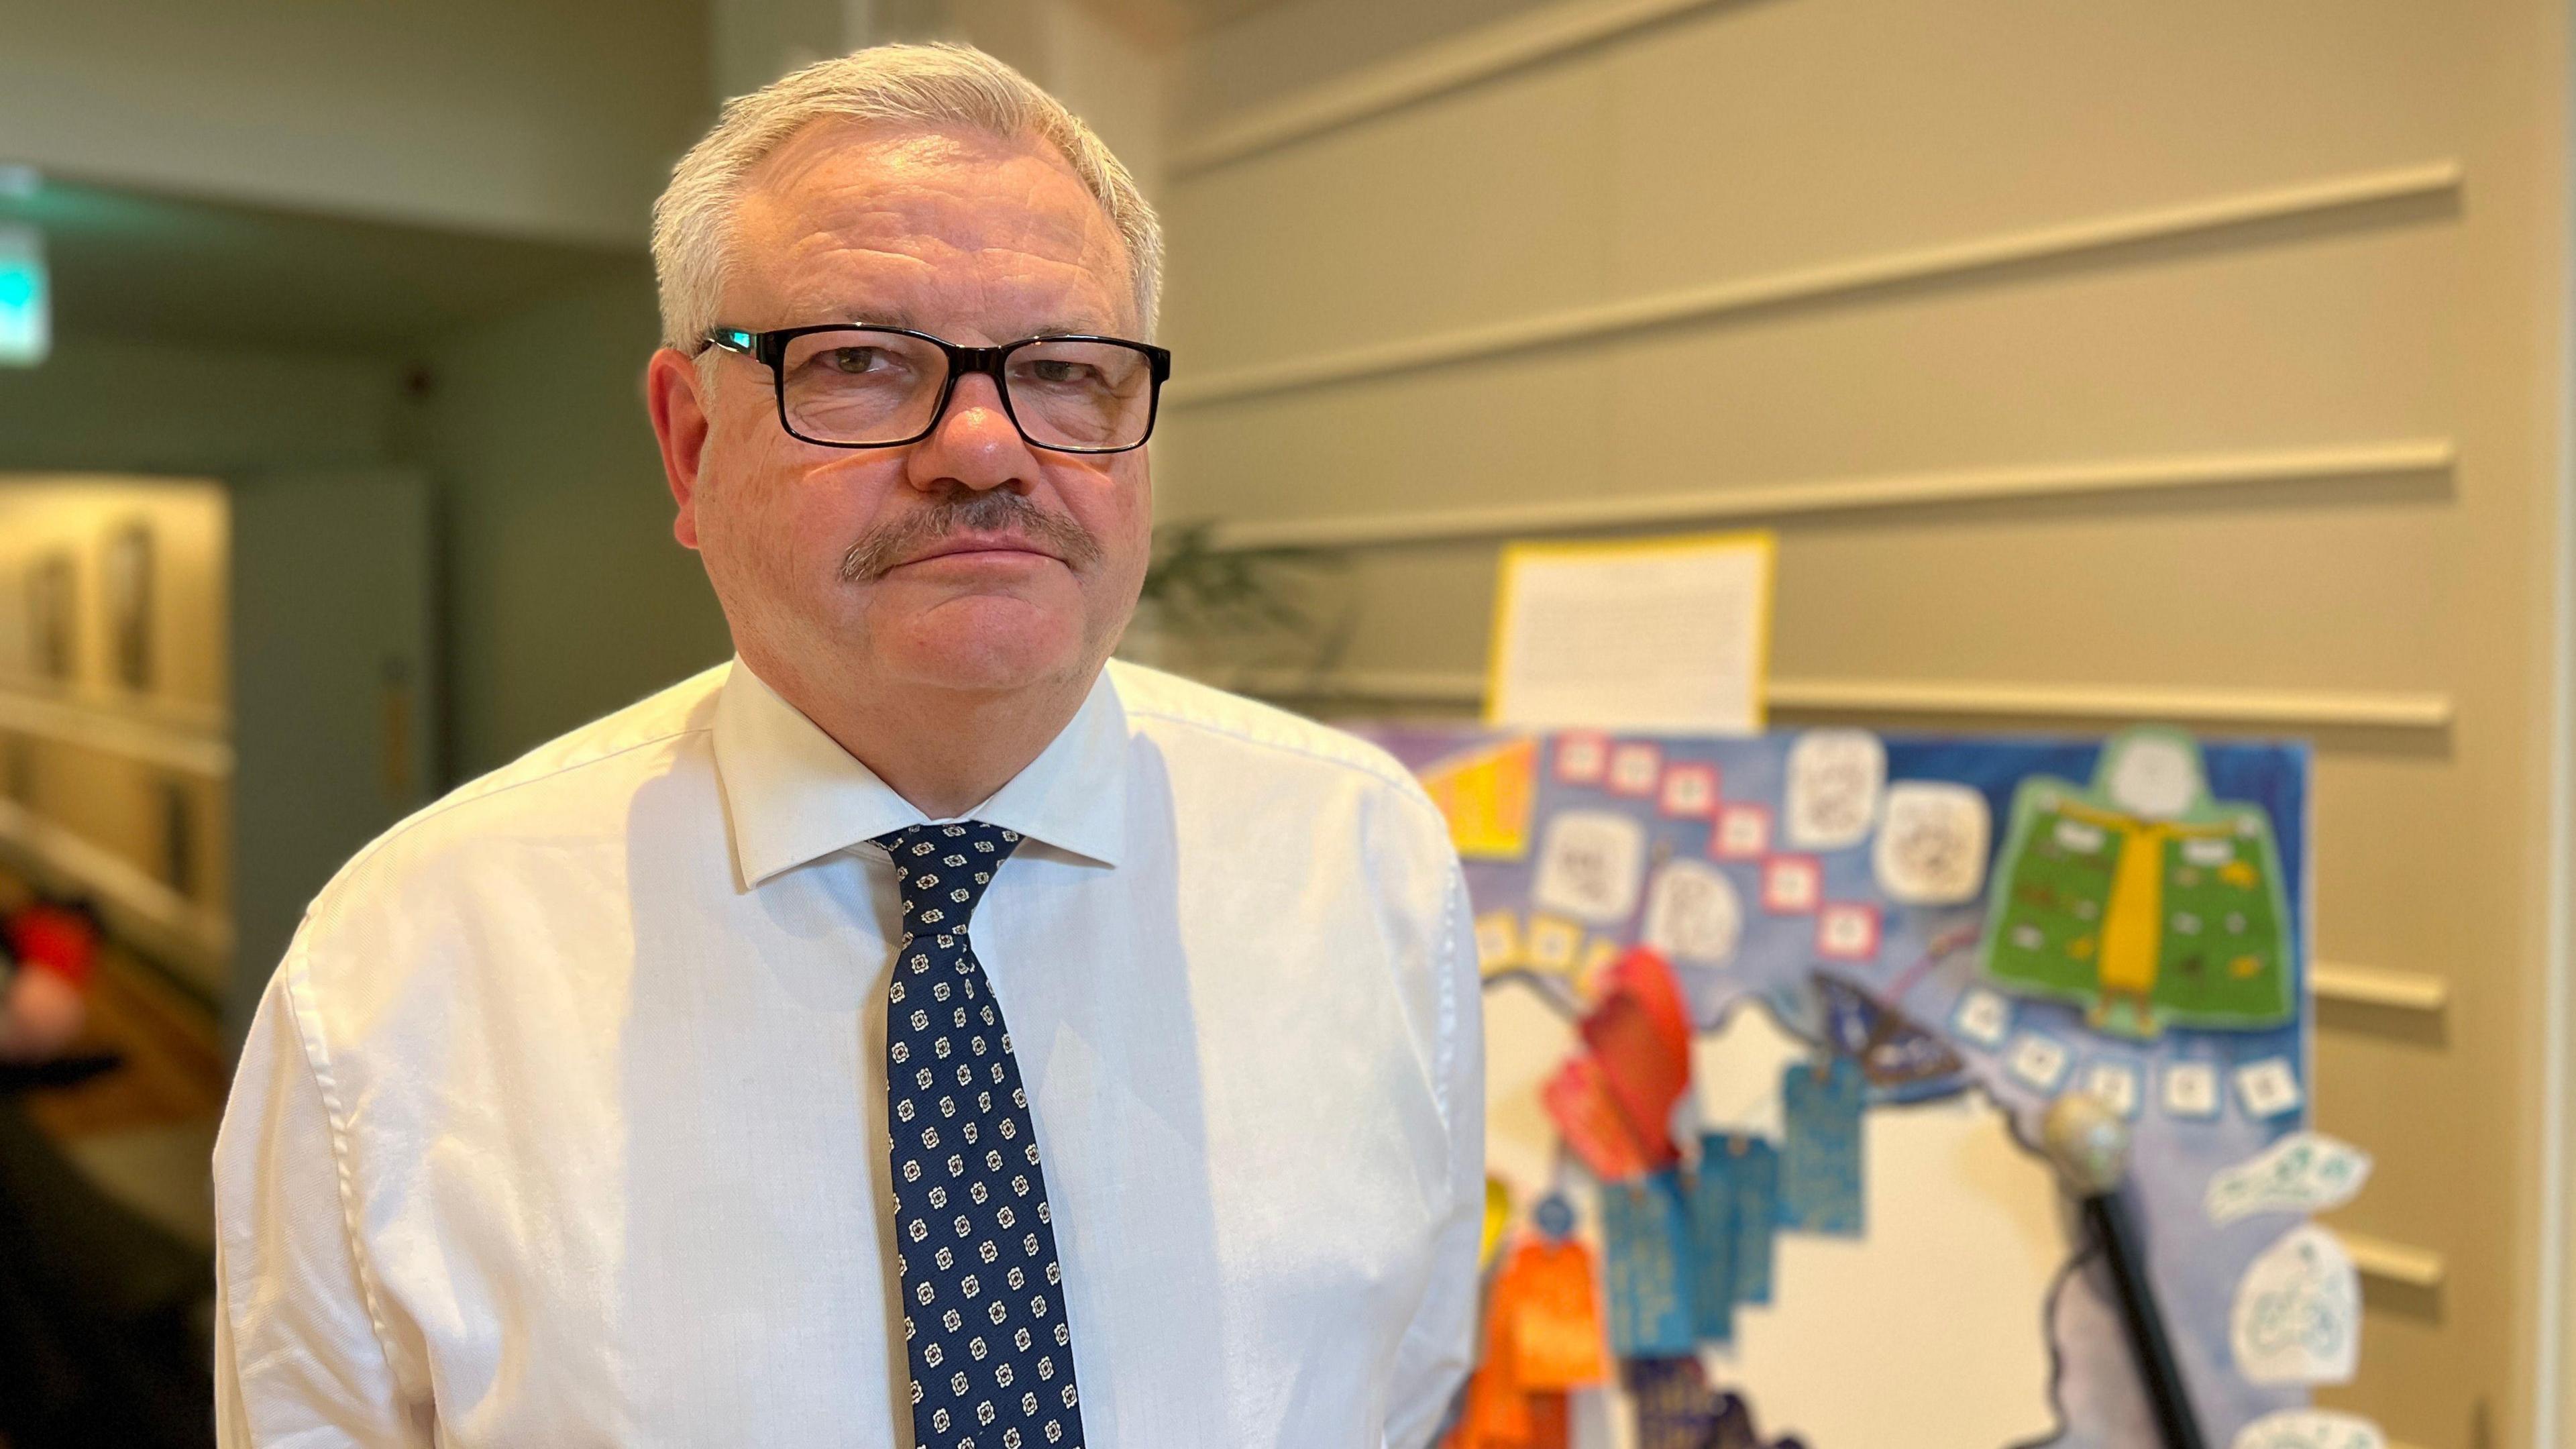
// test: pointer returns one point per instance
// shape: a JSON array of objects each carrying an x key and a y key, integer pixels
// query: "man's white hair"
[{"x": 938, "y": 85}]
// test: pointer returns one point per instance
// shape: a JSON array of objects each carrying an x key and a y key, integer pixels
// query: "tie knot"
[{"x": 943, "y": 870}]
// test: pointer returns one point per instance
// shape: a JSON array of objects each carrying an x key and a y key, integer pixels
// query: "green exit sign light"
[{"x": 26, "y": 305}]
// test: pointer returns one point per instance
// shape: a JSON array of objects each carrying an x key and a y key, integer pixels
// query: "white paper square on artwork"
[
  {"x": 1582, "y": 757},
  {"x": 1847, "y": 931},
  {"x": 1983, "y": 1017},
  {"x": 2268, "y": 1088},
  {"x": 1663, "y": 635},
  {"x": 2309, "y": 1429},
  {"x": 2297, "y": 1314},
  {"x": 1692, "y": 914},
  {"x": 1931, "y": 848},
  {"x": 1690, "y": 791},
  {"x": 2190, "y": 1090},
  {"x": 1634, "y": 769},
  {"x": 1591, "y": 864},
  {"x": 1743, "y": 832},
  {"x": 2114, "y": 1086},
  {"x": 1498, "y": 941},
  {"x": 2039, "y": 1061},
  {"x": 1792, "y": 884},
  {"x": 1835, "y": 779},
  {"x": 1552, "y": 944}
]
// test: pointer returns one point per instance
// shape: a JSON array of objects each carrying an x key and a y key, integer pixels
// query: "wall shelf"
[
  {"x": 191, "y": 742},
  {"x": 2247, "y": 709},
  {"x": 1742, "y": 503}
]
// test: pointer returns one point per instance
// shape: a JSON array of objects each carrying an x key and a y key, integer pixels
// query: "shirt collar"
[{"x": 793, "y": 795}]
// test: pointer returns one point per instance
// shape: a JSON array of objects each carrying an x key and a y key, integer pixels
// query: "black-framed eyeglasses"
[{"x": 884, "y": 387}]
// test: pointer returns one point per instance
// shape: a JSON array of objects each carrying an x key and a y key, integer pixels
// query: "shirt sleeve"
[
  {"x": 300, "y": 1361},
  {"x": 1439, "y": 1347}
]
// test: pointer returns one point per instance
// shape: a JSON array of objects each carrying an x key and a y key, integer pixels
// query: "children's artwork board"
[{"x": 1799, "y": 1134}]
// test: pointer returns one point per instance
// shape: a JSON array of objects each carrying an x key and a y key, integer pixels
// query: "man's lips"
[{"x": 1003, "y": 543}]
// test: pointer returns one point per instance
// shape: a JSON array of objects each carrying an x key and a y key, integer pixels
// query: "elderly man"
[{"x": 917, "y": 1029}]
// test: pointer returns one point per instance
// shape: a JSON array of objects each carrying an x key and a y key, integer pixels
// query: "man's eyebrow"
[
  {"x": 1073, "y": 329},
  {"x": 903, "y": 317},
  {"x": 884, "y": 317}
]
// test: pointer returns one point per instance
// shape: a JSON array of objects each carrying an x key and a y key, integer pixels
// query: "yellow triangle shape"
[{"x": 1486, "y": 795}]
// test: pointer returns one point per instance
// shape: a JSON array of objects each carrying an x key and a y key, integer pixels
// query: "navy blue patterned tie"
[{"x": 983, "y": 1299}]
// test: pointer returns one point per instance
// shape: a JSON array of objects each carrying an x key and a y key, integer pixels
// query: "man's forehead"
[{"x": 846, "y": 221}]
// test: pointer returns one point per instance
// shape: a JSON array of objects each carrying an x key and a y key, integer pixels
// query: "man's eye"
[
  {"x": 1058, "y": 371},
  {"x": 854, "y": 359}
]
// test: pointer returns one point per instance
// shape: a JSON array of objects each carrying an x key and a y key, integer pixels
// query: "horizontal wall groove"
[
  {"x": 1408, "y": 80},
  {"x": 2403, "y": 457},
  {"x": 2267, "y": 709},
  {"x": 189, "y": 744},
  {"x": 1600, "y": 322}
]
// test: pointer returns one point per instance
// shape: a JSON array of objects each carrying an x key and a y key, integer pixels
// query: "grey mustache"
[{"x": 994, "y": 511}]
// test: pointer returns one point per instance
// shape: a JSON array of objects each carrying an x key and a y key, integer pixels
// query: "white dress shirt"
[{"x": 563, "y": 1122}]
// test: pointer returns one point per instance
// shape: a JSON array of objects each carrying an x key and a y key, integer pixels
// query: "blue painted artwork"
[
  {"x": 1713, "y": 1243},
  {"x": 1820, "y": 1157},
  {"x": 1753, "y": 1166},
  {"x": 1645, "y": 1266},
  {"x": 1843, "y": 884}
]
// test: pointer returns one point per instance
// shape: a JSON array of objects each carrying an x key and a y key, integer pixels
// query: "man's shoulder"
[
  {"x": 1256, "y": 734},
  {"x": 566, "y": 786}
]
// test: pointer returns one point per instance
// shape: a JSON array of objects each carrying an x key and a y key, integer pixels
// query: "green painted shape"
[{"x": 2223, "y": 960}]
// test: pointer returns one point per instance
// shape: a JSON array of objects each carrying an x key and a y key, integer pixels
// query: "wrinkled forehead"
[{"x": 971, "y": 236}]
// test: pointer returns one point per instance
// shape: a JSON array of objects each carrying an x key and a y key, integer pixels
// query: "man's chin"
[{"x": 999, "y": 653}]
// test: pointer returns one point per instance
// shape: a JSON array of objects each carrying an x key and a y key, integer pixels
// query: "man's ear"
[{"x": 671, "y": 395}]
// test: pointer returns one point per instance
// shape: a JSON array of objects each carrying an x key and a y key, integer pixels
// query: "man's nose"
[{"x": 974, "y": 443}]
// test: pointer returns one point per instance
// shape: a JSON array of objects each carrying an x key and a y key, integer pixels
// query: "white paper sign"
[
  {"x": 1590, "y": 866},
  {"x": 2297, "y": 1318},
  {"x": 1693, "y": 913},
  {"x": 1658, "y": 636},
  {"x": 1834, "y": 782},
  {"x": 2305, "y": 1172},
  {"x": 1931, "y": 847},
  {"x": 2309, "y": 1429}
]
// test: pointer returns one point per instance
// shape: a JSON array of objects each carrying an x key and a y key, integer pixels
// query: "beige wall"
[
  {"x": 2294, "y": 269},
  {"x": 564, "y": 595}
]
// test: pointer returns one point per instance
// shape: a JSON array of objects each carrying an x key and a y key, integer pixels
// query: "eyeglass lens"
[{"x": 856, "y": 385}]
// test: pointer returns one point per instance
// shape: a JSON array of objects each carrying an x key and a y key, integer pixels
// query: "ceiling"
[{"x": 173, "y": 269}]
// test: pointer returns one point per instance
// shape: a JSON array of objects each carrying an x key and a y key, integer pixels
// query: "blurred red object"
[
  {"x": 1614, "y": 1100},
  {"x": 59, "y": 939}
]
